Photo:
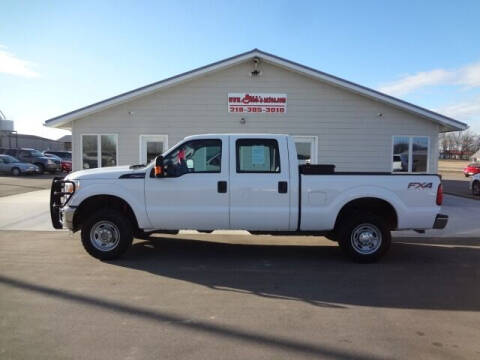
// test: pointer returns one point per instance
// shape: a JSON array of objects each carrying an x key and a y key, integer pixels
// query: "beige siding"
[{"x": 350, "y": 133}]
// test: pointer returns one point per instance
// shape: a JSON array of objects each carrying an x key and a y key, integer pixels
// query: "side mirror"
[{"x": 159, "y": 166}]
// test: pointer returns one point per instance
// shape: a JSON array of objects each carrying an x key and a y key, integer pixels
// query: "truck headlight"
[
  {"x": 50, "y": 162},
  {"x": 70, "y": 188}
]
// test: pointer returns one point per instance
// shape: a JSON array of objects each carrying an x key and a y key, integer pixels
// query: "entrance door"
[
  {"x": 193, "y": 194},
  {"x": 151, "y": 146},
  {"x": 259, "y": 184},
  {"x": 306, "y": 149}
]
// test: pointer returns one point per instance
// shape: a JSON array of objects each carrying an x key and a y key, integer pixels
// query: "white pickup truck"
[{"x": 246, "y": 182}]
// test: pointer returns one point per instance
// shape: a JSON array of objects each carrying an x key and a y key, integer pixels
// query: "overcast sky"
[{"x": 59, "y": 56}]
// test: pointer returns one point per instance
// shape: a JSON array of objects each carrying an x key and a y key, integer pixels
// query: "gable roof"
[
  {"x": 65, "y": 138},
  {"x": 447, "y": 123}
]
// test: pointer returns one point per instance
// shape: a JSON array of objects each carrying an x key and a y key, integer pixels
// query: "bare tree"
[{"x": 467, "y": 142}]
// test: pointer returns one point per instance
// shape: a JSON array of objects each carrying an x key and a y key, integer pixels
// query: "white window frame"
[
  {"x": 99, "y": 148},
  {"x": 410, "y": 154},
  {"x": 311, "y": 139},
  {"x": 163, "y": 138}
]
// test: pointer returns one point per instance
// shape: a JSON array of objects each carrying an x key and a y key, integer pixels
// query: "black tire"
[
  {"x": 113, "y": 222},
  {"x": 331, "y": 236},
  {"x": 349, "y": 234},
  {"x": 16, "y": 171},
  {"x": 41, "y": 168},
  {"x": 476, "y": 187}
]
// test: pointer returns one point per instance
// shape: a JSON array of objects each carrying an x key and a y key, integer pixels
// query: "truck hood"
[{"x": 113, "y": 172}]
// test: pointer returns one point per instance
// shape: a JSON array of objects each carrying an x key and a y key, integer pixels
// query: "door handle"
[
  {"x": 282, "y": 187},
  {"x": 222, "y": 187}
]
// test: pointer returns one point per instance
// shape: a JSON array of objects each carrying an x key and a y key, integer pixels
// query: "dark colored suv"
[
  {"x": 35, "y": 157},
  {"x": 64, "y": 155}
]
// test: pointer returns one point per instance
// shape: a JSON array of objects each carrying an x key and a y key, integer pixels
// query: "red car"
[
  {"x": 472, "y": 169},
  {"x": 66, "y": 166},
  {"x": 65, "y": 158}
]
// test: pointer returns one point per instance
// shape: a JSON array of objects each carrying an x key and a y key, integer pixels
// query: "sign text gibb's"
[{"x": 257, "y": 103}]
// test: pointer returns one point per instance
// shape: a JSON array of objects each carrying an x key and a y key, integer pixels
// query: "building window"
[
  {"x": 257, "y": 156},
  {"x": 306, "y": 147},
  {"x": 99, "y": 150},
  {"x": 195, "y": 156},
  {"x": 151, "y": 146},
  {"x": 410, "y": 154}
]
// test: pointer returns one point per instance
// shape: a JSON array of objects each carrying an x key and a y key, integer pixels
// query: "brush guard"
[{"x": 56, "y": 201}]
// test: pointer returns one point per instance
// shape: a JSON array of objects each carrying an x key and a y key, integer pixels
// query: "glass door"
[{"x": 151, "y": 146}]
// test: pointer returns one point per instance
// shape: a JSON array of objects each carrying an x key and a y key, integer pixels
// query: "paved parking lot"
[
  {"x": 195, "y": 297},
  {"x": 12, "y": 185},
  {"x": 453, "y": 180},
  {"x": 218, "y": 296}
]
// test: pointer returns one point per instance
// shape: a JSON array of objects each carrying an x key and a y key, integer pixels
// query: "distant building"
[
  {"x": 475, "y": 157},
  {"x": 456, "y": 154},
  {"x": 14, "y": 140},
  {"x": 67, "y": 142},
  {"x": 11, "y": 139}
]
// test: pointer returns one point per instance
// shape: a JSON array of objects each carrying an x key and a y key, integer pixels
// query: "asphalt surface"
[
  {"x": 456, "y": 183},
  {"x": 234, "y": 297},
  {"x": 12, "y": 185}
]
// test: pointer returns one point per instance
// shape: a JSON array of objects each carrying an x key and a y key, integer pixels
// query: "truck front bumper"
[
  {"x": 66, "y": 217},
  {"x": 440, "y": 221}
]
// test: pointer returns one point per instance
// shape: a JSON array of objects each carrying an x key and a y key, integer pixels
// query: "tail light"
[{"x": 439, "y": 195}]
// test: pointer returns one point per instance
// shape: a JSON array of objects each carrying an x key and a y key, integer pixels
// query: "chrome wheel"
[
  {"x": 366, "y": 239},
  {"x": 104, "y": 235}
]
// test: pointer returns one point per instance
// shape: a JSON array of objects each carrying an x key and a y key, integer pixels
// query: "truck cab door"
[
  {"x": 259, "y": 183},
  {"x": 193, "y": 194}
]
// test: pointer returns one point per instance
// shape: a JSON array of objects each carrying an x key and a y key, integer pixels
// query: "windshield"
[
  {"x": 53, "y": 157},
  {"x": 36, "y": 153},
  {"x": 10, "y": 159}
]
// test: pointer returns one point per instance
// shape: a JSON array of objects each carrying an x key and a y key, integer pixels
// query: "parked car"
[
  {"x": 254, "y": 183},
  {"x": 66, "y": 165},
  {"x": 475, "y": 184},
  {"x": 36, "y": 157},
  {"x": 64, "y": 155},
  {"x": 472, "y": 169},
  {"x": 11, "y": 165}
]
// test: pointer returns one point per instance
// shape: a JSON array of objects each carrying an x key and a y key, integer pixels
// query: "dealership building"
[{"x": 332, "y": 120}]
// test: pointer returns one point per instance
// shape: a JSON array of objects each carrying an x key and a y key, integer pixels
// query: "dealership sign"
[{"x": 257, "y": 103}]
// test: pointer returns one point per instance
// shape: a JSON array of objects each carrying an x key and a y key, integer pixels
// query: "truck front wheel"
[
  {"x": 364, "y": 238},
  {"x": 107, "y": 234}
]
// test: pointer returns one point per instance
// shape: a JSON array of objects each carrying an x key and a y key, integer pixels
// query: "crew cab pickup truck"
[{"x": 248, "y": 182}]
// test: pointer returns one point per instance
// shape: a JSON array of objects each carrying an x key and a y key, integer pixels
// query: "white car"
[
  {"x": 248, "y": 182},
  {"x": 475, "y": 184}
]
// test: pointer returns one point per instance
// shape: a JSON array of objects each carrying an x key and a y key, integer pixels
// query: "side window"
[
  {"x": 195, "y": 156},
  {"x": 24, "y": 153},
  {"x": 257, "y": 156}
]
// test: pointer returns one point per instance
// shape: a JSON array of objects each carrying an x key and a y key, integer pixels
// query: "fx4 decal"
[{"x": 417, "y": 185}]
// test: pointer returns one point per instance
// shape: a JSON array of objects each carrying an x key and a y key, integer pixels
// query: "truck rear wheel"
[
  {"x": 107, "y": 234},
  {"x": 364, "y": 238}
]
